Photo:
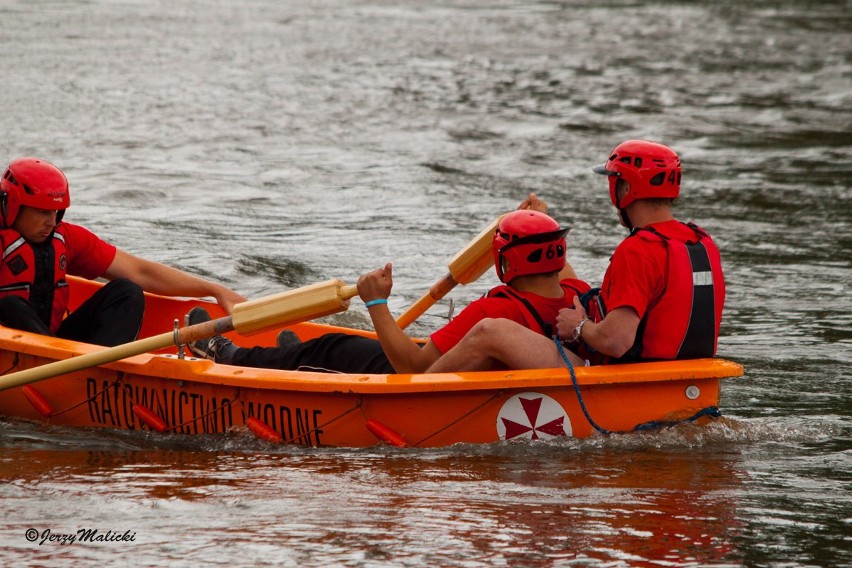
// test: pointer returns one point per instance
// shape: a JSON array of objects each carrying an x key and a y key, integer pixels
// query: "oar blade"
[{"x": 476, "y": 258}]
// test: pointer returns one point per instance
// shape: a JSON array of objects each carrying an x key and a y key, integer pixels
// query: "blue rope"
[
  {"x": 653, "y": 424},
  {"x": 577, "y": 387}
]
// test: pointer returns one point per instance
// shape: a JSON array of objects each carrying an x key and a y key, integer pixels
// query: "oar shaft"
[
  {"x": 438, "y": 290},
  {"x": 84, "y": 361},
  {"x": 101, "y": 357}
]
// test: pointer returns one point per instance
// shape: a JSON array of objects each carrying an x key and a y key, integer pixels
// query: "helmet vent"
[
  {"x": 658, "y": 179},
  {"x": 28, "y": 189}
]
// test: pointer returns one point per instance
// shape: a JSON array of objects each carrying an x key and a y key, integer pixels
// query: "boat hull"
[{"x": 192, "y": 396}]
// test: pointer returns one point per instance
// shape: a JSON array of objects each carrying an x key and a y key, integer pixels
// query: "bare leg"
[{"x": 492, "y": 342}]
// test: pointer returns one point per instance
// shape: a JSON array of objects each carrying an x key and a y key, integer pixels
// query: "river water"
[{"x": 272, "y": 144}]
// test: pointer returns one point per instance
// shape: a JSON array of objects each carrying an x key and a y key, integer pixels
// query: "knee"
[
  {"x": 11, "y": 308},
  {"x": 487, "y": 332},
  {"x": 12, "y": 302},
  {"x": 127, "y": 288}
]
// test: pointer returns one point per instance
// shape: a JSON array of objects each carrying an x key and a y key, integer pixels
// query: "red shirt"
[
  {"x": 88, "y": 255},
  {"x": 637, "y": 270},
  {"x": 498, "y": 307}
]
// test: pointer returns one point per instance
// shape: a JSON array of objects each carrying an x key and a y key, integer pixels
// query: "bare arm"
[
  {"x": 405, "y": 355},
  {"x": 567, "y": 272},
  {"x": 167, "y": 281},
  {"x": 613, "y": 336}
]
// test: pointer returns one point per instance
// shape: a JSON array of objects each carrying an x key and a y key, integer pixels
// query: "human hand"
[
  {"x": 377, "y": 284},
  {"x": 533, "y": 203},
  {"x": 569, "y": 318},
  {"x": 227, "y": 298}
]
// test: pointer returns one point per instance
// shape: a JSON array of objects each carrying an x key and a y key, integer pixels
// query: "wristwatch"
[{"x": 578, "y": 331}]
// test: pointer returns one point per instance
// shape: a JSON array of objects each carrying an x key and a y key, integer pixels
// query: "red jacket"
[{"x": 534, "y": 320}]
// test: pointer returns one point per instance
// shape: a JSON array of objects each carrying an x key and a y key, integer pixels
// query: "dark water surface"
[{"x": 273, "y": 144}]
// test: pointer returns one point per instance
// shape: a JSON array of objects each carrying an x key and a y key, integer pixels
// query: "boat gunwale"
[{"x": 165, "y": 366}]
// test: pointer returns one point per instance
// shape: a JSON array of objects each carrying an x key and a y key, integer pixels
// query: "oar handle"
[{"x": 438, "y": 290}]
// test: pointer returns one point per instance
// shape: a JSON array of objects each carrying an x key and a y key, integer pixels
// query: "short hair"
[{"x": 659, "y": 201}]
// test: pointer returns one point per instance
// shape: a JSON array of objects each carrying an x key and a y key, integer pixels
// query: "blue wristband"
[{"x": 376, "y": 302}]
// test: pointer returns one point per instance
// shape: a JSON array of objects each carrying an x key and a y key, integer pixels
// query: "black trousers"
[
  {"x": 333, "y": 352},
  {"x": 111, "y": 316}
]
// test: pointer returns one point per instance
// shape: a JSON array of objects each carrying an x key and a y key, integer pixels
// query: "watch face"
[{"x": 578, "y": 332}]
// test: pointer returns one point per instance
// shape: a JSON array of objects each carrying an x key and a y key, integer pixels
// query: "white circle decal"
[{"x": 532, "y": 416}]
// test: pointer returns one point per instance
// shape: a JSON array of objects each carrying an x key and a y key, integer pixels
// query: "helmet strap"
[
  {"x": 625, "y": 219},
  {"x": 623, "y": 212},
  {"x": 4, "y": 207}
]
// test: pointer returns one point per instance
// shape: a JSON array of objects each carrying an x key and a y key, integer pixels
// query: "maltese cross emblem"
[{"x": 532, "y": 416}]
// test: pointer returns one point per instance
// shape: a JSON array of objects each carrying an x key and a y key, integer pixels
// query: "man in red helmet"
[
  {"x": 661, "y": 297},
  {"x": 40, "y": 249},
  {"x": 529, "y": 250}
]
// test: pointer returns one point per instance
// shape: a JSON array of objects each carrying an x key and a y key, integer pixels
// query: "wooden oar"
[
  {"x": 468, "y": 265},
  {"x": 254, "y": 316}
]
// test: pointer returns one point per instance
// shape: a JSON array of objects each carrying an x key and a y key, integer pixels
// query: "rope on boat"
[
  {"x": 577, "y": 387},
  {"x": 651, "y": 425},
  {"x": 33, "y": 396},
  {"x": 205, "y": 415},
  {"x": 324, "y": 424},
  {"x": 115, "y": 383},
  {"x": 496, "y": 395},
  {"x": 712, "y": 411},
  {"x": 14, "y": 364},
  {"x": 81, "y": 403},
  {"x": 271, "y": 434}
]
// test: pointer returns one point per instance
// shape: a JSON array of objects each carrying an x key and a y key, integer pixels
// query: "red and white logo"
[{"x": 532, "y": 416}]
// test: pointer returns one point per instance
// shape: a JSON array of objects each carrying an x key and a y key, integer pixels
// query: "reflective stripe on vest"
[{"x": 18, "y": 272}]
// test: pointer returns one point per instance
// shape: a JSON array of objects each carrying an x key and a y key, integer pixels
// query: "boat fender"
[
  {"x": 152, "y": 420},
  {"x": 262, "y": 431},
  {"x": 385, "y": 434},
  {"x": 38, "y": 401}
]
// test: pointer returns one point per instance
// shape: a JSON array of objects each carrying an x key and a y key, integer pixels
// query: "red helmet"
[
  {"x": 651, "y": 169},
  {"x": 528, "y": 242},
  {"x": 34, "y": 183}
]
